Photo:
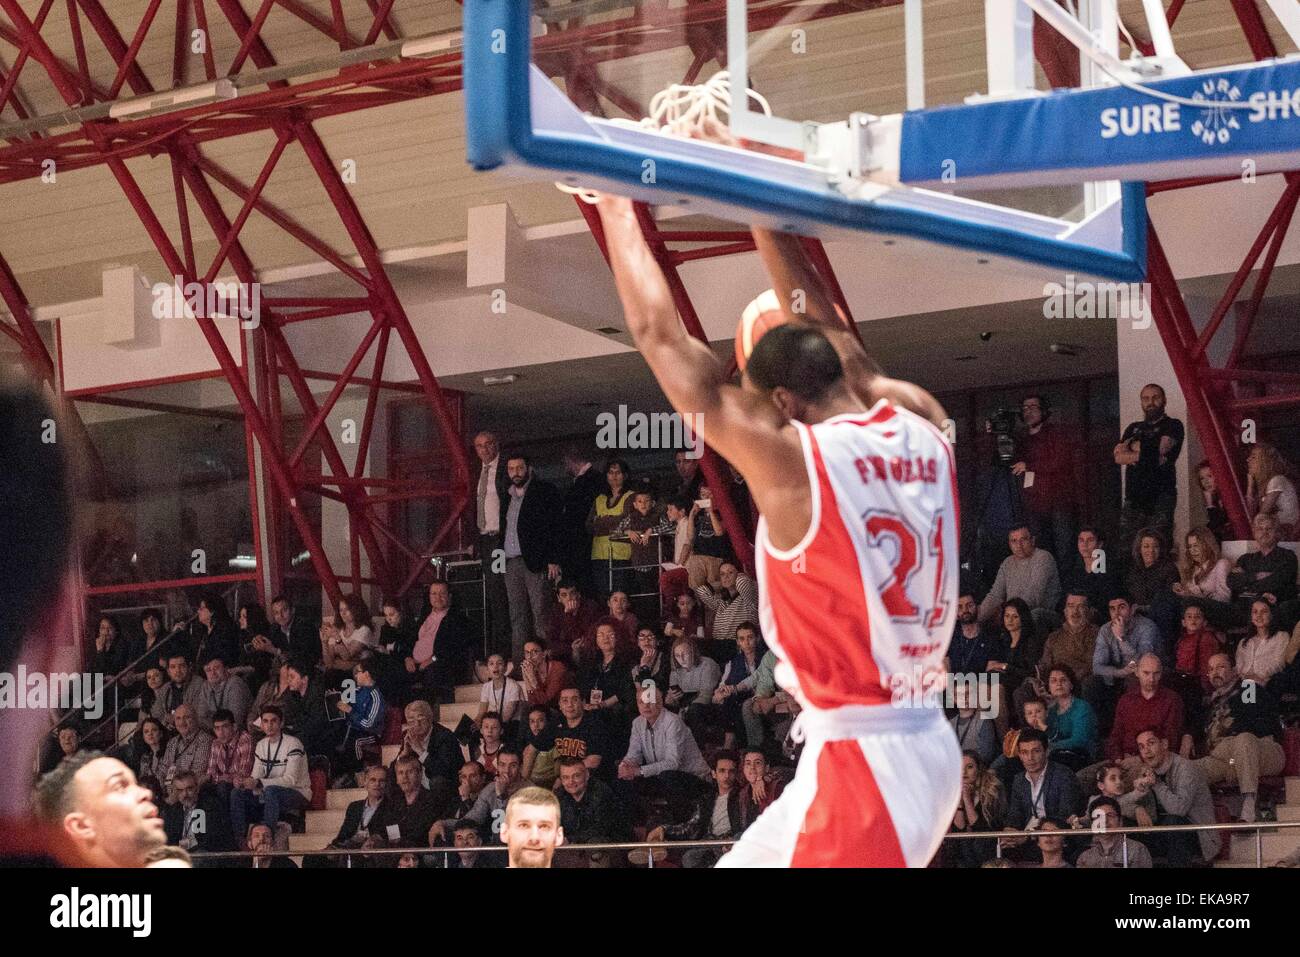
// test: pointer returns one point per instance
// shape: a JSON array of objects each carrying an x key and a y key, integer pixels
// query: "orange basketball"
[{"x": 762, "y": 314}]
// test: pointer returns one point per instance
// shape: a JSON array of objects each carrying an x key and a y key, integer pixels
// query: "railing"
[{"x": 1258, "y": 827}]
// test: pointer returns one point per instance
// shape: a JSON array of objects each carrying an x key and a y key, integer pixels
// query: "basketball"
[{"x": 762, "y": 314}]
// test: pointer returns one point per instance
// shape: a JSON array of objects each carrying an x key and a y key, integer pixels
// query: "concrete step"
[
  {"x": 1288, "y": 812},
  {"x": 388, "y": 753},
  {"x": 325, "y": 822},
  {"x": 338, "y": 799},
  {"x": 308, "y": 842},
  {"x": 468, "y": 693},
  {"x": 1275, "y": 845},
  {"x": 450, "y": 714},
  {"x": 1246, "y": 865},
  {"x": 1293, "y": 790}
]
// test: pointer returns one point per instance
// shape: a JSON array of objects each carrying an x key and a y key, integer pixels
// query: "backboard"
[{"x": 933, "y": 120}]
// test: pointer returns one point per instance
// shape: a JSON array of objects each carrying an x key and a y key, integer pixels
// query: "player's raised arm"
[
  {"x": 795, "y": 280},
  {"x": 745, "y": 428}
]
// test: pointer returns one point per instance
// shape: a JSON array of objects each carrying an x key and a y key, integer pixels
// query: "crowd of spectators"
[{"x": 622, "y": 665}]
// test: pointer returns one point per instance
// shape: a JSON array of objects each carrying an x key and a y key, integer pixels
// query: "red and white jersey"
[{"x": 868, "y": 596}]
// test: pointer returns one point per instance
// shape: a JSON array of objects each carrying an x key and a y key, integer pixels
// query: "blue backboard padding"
[{"x": 499, "y": 131}]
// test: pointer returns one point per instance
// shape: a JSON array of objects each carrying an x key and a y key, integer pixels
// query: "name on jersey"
[{"x": 897, "y": 469}]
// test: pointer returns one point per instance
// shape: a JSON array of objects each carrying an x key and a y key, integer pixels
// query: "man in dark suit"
[
  {"x": 292, "y": 633},
  {"x": 435, "y": 655},
  {"x": 492, "y": 489},
  {"x": 1045, "y": 790},
  {"x": 360, "y": 815},
  {"x": 575, "y": 558},
  {"x": 530, "y": 516},
  {"x": 406, "y": 815},
  {"x": 197, "y": 822}
]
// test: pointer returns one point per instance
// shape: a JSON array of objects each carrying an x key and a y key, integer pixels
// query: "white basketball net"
[{"x": 680, "y": 110}]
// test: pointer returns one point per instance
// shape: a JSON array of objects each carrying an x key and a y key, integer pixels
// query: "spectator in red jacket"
[
  {"x": 1149, "y": 705},
  {"x": 573, "y": 622},
  {"x": 545, "y": 675}
]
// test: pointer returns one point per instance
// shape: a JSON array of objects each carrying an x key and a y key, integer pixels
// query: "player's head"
[
  {"x": 797, "y": 367},
  {"x": 532, "y": 829},
  {"x": 96, "y": 802}
]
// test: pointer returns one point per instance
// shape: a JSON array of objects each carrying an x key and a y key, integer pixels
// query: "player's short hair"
[
  {"x": 533, "y": 796},
  {"x": 798, "y": 358},
  {"x": 55, "y": 795}
]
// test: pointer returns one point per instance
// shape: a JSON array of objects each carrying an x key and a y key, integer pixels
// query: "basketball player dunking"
[{"x": 856, "y": 555}]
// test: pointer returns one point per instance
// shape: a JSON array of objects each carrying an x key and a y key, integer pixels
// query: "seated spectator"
[
  {"x": 1074, "y": 642},
  {"x": 1028, "y": 574},
  {"x": 388, "y": 663},
  {"x": 363, "y": 708},
  {"x": 153, "y": 739},
  {"x": 982, "y": 808},
  {"x": 736, "y": 685},
  {"x": 278, "y": 690},
  {"x": 112, "y": 652},
  {"x": 734, "y": 600},
  {"x": 408, "y": 813},
  {"x": 1044, "y": 790},
  {"x": 1051, "y": 844},
  {"x": 589, "y": 813},
  {"x": 69, "y": 743},
  {"x": 489, "y": 743},
  {"x": 972, "y": 643},
  {"x": 182, "y": 688},
  {"x": 693, "y": 678},
  {"x": 471, "y": 779},
  {"x": 280, "y": 781},
  {"x": 356, "y": 630},
  {"x": 643, "y": 527},
  {"x": 152, "y": 640},
  {"x": 710, "y": 546},
  {"x": 607, "y": 688},
  {"x": 257, "y": 652},
  {"x": 1019, "y": 648},
  {"x": 1109, "y": 782},
  {"x": 1149, "y": 705},
  {"x": 1269, "y": 572},
  {"x": 397, "y": 631},
  {"x": 360, "y": 814},
  {"x": 717, "y": 815},
  {"x": 151, "y": 704},
  {"x": 465, "y": 835},
  {"x": 654, "y": 664},
  {"x": 1088, "y": 572},
  {"x": 187, "y": 750},
  {"x": 761, "y": 785},
  {"x": 1203, "y": 575},
  {"x": 222, "y": 691},
  {"x": 1071, "y": 723},
  {"x": 688, "y": 622},
  {"x": 620, "y": 615},
  {"x": 489, "y": 807},
  {"x": 662, "y": 758},
  {"x": 1112, "y": 850},
  {"x": 975, "y": 731},
  {"x": 197, "y": 821},
  {"x": 1151, "y": 579},
  {"x": 293, "y": 633},
  {"x": 572, "y": 625},
  {"x": 768, "y": 706},
  {"x": 581, "y": 734},
  {"x": 1181, "y": 796},
  {"x": 1242, "y": 734},
  {"x": 544, "y": 675},
  {"x": 436, "y": 748},
  {"x": 538, "y": 741},
  {"x": 1196, "y": 645},
  {"x": 1271, "y": 491},
  {"x": 311, "y": 720},
  {"x": 500, "y": 693},
  {"x": 261, "y": 841},
  {"x": 1033, "y": 716},
  {"x": 213, "y": 634},
  {"x": 440, "y": 654},
  {"x": 1261, "y": 656},
  {"x": 230, "y": 761},
  {"x": 1216, "y": 516},
  {"x": 1121, "y": 641}
]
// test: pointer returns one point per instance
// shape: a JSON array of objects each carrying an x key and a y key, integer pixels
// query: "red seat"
[
  {"x": 393, "y": 719},
  {"x": 320, "y": 783},
  {"x": 1291, "y": 745}
]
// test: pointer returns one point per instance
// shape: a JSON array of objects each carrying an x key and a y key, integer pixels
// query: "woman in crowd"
[
  {"x": 606, "y": 513},
  {"x": 606, "y": 684},
  {"x": 1151, "y": 579},
  {"x": 1216, "y": 516},
  {"x": 1016, "y": 653},
  {"x": 1071, "y": 723},
  {"x": 710, "y": 546},
  {"x": 1271, "y": 491},
  {"x": 1263, "y": 654},
  {"x": 689, "y": 620},
  {"x": 654, "y": 664},
  {"x": 1203, "y": 575},
  {"x": 693, "y": 678},
  {"x": 620, "y": 612},
  {"x": 983, "y": 808},
  {"x": 152, "y": 743},
  {"x": 112, "y": 651},
  {"x": 214, "y": 634},
  {"x": 277, "y": 690},
  {"x": 355, "y": 626}
]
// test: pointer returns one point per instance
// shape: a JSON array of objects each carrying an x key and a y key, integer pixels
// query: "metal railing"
[{"x": 1258, "y": 827}]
